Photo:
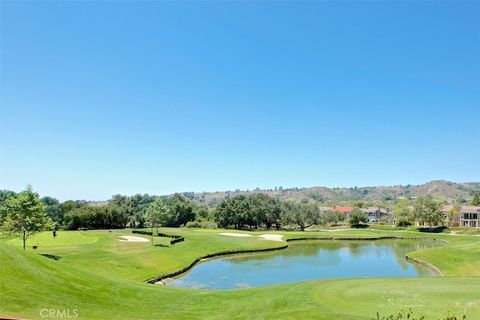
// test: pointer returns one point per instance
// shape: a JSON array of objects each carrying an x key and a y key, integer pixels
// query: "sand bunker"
[
  {"x": 132, "y": 239},
  {"x": 232, "y": 234},
  {"x": 272, "y": 237}
]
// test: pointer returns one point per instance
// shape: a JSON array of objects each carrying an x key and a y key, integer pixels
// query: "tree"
[
  {"x": 429, "y": 210},
  {"x": 476, "y": 199},
  {"x": 4, "y": 195},
  {"x": 26, "y": 215},
  {"x": 358, "y": 217},
  {"x": 53, "y": 210},
  {"x": 403, "y": 213},
  {"x": 156, "y": 214},
  {"x": 181, "y": 210},
  {"x": 452, "y": 213},
  {"x": 304, "y": 215},
  {"x": 234, "y": 211}
]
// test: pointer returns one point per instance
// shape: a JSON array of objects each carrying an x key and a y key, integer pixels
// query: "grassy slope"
[{"x": 102, "y": 278}]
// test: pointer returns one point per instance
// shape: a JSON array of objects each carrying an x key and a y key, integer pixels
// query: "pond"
[{"x": 307, "y": 260}]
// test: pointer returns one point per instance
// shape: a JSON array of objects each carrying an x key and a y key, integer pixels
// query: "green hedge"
[{"x": 176, "y": 238}]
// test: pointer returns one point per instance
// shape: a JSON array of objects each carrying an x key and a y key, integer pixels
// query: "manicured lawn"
[{"x": 103, "y": 278}]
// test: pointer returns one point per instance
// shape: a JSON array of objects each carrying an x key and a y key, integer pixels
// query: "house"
[
  {"x": 344, "y": 210},
  {"x": 375, "y": 214},
  {"x": 325, "y": 209},
  {"x": 469, "y": 217}
]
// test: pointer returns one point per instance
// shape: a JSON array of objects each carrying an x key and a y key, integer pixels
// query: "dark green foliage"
[
  {"x": 202, "y": 223},
  {"x": 4, "y": 195},
  {"x": 134, "y": 207},
  {"x": 401, "y": 222},
  {"x": 109, "y": 216},
  {"x": 26, "y": 215},
  {"x": 260, "y": 210},
  {"x": 476, "y": 200},
  {"x": 181, "y": 211},
  {"x": 234, "y": 211},
  {"x": 303, "y": 215},
  {"x": 253, "y": 211},
  {"x": 358, "y": 218},
  {"x": 439, "y": 229},
  {"x": 429, "y": 211},
  {"x": 176, "y": 239},
  {"x": 54, "y": 210},
  {"x": 330, "y": 218},
  {"x": 181, "y": 239},
  {"x": 316, "y": 196}
]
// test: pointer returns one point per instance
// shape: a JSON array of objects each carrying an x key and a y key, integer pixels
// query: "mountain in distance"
[{"x": 441, "y": 189}]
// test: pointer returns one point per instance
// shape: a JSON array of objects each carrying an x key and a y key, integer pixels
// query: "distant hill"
[{"x": 441, "y": 189}]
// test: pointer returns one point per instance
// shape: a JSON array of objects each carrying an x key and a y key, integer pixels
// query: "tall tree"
[
  {"x": 156, "y": 214},
  {"x": 429, "y": 210},
  {"x": 304, "y": 215},
  {"x": 181, "y": 210},
  {"x": 53, "y": 209},
  {"x": 26, "y": 215},
  {"x": 476, "y": 199},
  {"x": 403, "y": 213}
]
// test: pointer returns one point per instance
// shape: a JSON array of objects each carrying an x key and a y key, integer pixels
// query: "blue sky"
[{"x": 99, "y": 98}]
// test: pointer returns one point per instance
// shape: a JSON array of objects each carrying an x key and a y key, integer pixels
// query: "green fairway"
[{"x": 101, "y": 277}]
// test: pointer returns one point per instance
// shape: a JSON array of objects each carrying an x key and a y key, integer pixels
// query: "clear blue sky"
[{"x": 100, "y": 98}]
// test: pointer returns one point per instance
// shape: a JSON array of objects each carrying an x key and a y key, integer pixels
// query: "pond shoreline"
[{"x": 159, "y": 279}]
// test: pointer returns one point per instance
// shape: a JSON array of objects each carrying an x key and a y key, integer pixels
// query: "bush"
[
  {"x": 164, "y": 235},
  {"x": 177, "y": 240},
  {"x": 358, "y": 219},
  {"x": 148, "y": 233},
  {"x": 433, "y": 229},
  {"x": 205, "y": 224},
  {"x": 403, "y": 223}
]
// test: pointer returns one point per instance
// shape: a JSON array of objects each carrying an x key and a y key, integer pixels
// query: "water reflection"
[{"x": 308, "y": 260}]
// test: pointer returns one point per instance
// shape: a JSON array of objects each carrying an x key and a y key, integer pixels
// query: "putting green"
[{"x": 63, "y": 238}]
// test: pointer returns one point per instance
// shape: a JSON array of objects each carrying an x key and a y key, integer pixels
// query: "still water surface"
[{"x": 307, "y": 260}]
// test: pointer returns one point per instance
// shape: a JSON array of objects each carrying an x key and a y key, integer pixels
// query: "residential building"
[
  {"x": 375, "y": 214},
  {"x": 344, "y": 210},
  {"x": 469, "y": 217}
]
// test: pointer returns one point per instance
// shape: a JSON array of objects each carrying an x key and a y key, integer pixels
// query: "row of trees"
[
  {"x": 26, "y": 213},
  {"x": 121, "y": 211},
  {"x": 424, "y": 210},
  {"x": 260, "y": 210}
]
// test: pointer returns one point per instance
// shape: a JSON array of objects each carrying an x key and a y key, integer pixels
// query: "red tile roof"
[{"x": 345, "y": 209}]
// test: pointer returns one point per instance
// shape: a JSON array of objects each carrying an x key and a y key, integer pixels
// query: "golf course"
[{"x": 100, "y": 275}]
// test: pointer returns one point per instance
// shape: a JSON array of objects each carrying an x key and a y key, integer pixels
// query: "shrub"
[
  {"x": 358, "y": 219},
  {"x": 403, "y": 223},
  {"x": 439, "y": 229},
  {"x": 164, "y": 235},
  {"x": 177, "y": 240},
  {"x": 205, "y": 224}
]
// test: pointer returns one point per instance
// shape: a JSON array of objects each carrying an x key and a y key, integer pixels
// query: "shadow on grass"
[
  {"x": 161, "y": 245},
  {"x": 433, "y": 229},
  {"x": 51, "y": 256}
]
